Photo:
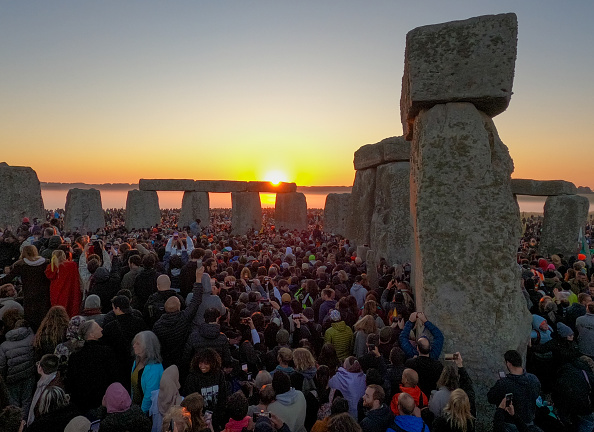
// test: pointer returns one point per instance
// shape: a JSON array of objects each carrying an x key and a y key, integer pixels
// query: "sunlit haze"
[{"x": 115, "y": 91}]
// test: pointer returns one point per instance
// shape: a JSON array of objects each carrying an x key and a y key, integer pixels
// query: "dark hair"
[
  {"x": 49, "y": 363},
  {"x": 339, "y": 405},
  {"x": 373, "y": 338},
  {"x": 211, "y": 315},
  {"x": 397, "y": 356},
  {"x": 135, "y": 259},
  {"x": 513, "y": 357},
  {"x": 374, "y": 376},
  {"x": 329, "y": 357},
  {"x": 208, "y": 356},
  {"x": 122, "y": 302},
  {"x": 237, "y": 406},
  {"x": 93, "y": 265},
  {"x": 281, "y": 383},
  {"x": 148, "y": 261}
]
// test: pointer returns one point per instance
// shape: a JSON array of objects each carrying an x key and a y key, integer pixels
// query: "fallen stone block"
[{"x": 542, "y": 187}]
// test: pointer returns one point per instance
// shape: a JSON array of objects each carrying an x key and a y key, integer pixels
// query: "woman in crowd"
[
  {"x": 147, "y": 368},
  {"x": 55, "y": 411},
  {"x": 65, "y": 283},
  {"x": 120, "y": 413},
  {"x": 165, "y": 397},
  {"x": 350, "y": 380},
  {"x": 51, "y": 332},
  {"x": 194, "y": 404},
  {"x": 456, "y": 416},
  {"x": 364, "y": 327}
]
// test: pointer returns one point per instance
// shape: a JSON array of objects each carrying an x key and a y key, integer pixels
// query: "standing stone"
[
  {"x": 564, "y": 216},
  {"x": 371, "y": 262},
  {"x": 291, "y": 211},
  {"x": 20, "y": 195},
  {"x": 142, "y": 209},
  {"x": 361, "y": 207},
  {"x": 460, "y": 61},
  {"x": 466, "y": 230},
  {"x": 195, "y": 205},
  {"x": 391, "y": 228},
  {"x": 336, "y": 211},
  {"x": 83, "y": 212},
  {"x": 362, "y": 252},
  {"x": 246, "y": 212}
]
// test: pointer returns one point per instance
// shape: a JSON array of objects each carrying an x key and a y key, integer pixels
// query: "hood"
[
  {"x": 349, "y": 379},
  {"x": 409, "y": 423},
  {"x": 309, "y": 373},
  {"x": 288, "y": 370},
  {"x": 340, "y": 326},
  {"x": 54, "y": 242},
  {"x": 287, "y": 398},
  {"x": 356, "y": 287},
  {"x": 169, "y": 389},
  {"x": 101, "y": 275},
  {"x": 545, "y": 336},
  {"x": 116, "y": 399},
  {"x": 209, "y": 331},
  {"x": 39, "y": 261},
  {"x": 19, "y": 334}
]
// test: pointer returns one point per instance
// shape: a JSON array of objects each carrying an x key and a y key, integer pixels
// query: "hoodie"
[
  {"x": 545, "y": 335},
  {"x": 351, "y": 384},
  {"x": 290, "y": 407},
  {"x": 208, "y": 300},
  {"x": 207, "y": 335},
  {"x": 377, "y": 420},
  {"x": 409, "y": 423},
  {"x": 419, "y": 397},
  {"x": 237, "y": 425},
  {"x": 359, "y": 292}
]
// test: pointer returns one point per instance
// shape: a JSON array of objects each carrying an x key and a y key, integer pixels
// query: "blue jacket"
[
  {"x": 436, "y": 345},
  {"x": 409, "y": 423},
  {"x": 149, "y": 381}
]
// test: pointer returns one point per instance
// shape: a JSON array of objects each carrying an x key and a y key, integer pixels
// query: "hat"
[
  {"x": 581, "y": 257},
  {"x": 551, "y": 267},
  {"x": 78, "y": 424},
  {"x": 25, "y": 220},
  {"x": 335, "y": 315},
  {"x": 67, "y": 240},
  {"x": 312, "y": 257},
  {"x": 93, "y": 237},
  {"x": 386, "y": 334},
  {"x": 584, "y": 271},
  {"x": 93, "y": 302},
  {"x": 563, "y": 331},
  {"x": 286, "y": 298}
]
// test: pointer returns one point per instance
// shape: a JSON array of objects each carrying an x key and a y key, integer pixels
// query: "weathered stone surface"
[
  {"x": 542, "y": 187},
  {"x": 20, "y": 195},
  {"x": 387, "y": 150},
  {"x": 142, "y": 209},
  {"x": 391, "y": 228},
  {"x": 466, "y": 229},
  {"x": 372, "y": 260},
  {"x": 83, "y": 212},
  {"x": 166, "y": 184},
  {"x": 291, "y": 211},
  {"x": 362, "y": 252},
  {"x": 246, "y": 212},
  {"x": 361, "y": 207},
  {"x": 261, "y": 186},
  {"x": 564, "y": 216},
  {"x": 195, "y": 205},
  {"x": 460, "y": 61},
  {"x": 219, "y": 186},
  {"x": 336, "y": 212}
]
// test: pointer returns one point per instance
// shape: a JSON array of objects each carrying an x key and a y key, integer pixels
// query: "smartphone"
[
  {"x": 244, "y": 367},
  {"x": 508, "y": 399},
  {"x": 261, "y": 413},
  {"x": 449, "y": 356},
  {"x": 371, "y": 347},
  {"x": 295, "y": 316}
]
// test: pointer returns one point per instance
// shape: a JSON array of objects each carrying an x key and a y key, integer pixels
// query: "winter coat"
[
  {"x": 359, "y": 292},
  {"x": 36, "y": 289},
  {"x": 54, "y": 421},
  {"x": 585, "y": 327},
  {"x": 525, "y": 388},
  {"x": 420, "y": 399},
  {"x": 377, "y": 420},
  {"x": 173, "y": 329},
  {"x": 341, "y": 336},
  {"x": 408, "y": 423},
  {"x": 145, "y": 284},
  {"x": 207, "y": 336},
  {"x": 150, "y": 379},
  {"x": 65, "y": 287},
  {"x": 441, "y": 424},
  {"x": 436, "y": 344},
  {"x": 132, "y": 420},
  {"x": 429, "y": 371},
  {"x": 290, "y": 407},
  {"x": 155, "y": 305},
  {"x": 326, "y": 307},
  {"x": 352, "y": 386},
  {"x": 105, "y": 284},
  {"x": 17, "y": 356}
]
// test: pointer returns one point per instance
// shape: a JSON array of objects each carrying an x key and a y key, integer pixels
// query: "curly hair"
[
  {"x": 53, "y": 328},
  {"x": 208, "y": 356}
]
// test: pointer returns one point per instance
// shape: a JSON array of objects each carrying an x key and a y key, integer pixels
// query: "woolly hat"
[
  {"x": 335, "y": 315},
  {"x": 563, "y": 331},
  {"x": 78, "y": 424},
  {"x": 93, "y": 302},
  {"x": 581, "y": 257}
]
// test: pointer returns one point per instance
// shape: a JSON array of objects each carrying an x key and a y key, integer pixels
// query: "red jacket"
[
  {"x": 419, "y": 397},
  {"x": 65, "y": 287}
]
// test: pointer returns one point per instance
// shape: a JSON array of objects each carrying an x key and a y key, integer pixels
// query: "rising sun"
[{"x": 275, "y": 177}]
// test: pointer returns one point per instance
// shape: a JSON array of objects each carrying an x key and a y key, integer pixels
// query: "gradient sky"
[{"x": 113, "y": 91}]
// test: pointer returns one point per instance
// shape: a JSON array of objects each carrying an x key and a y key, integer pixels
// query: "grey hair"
[
  {"x": 151, "y": 346},
  {"x": 85, "y": 328},
  {"x": 52, "y": 399}
]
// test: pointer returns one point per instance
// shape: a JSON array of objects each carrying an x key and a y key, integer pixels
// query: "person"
[
  {"x": 165, "y": 397},
  {"x": 572, "y": 395},
  {"x": 8, "y": 301},
  {"x": 173, "y": 327},
  {"x": 327, "y": 304},
  {"x": 134, "y": 264},
  {"x": 340, "y": 335},
  {"x": 210, "y": 296},
  {"x": 55, "y": 411},
  {"x": 289, "y": 406},
  {"x": 343, "y": 423},
  {"x": 408, "y": 419},
  {"x": 364, "y": 327},
  {"x": 120, "y": 413},
  {"x": 456, "y": 415},
  {"x": 207, "y": 335},
  {"x": 577, "y": 310},
  {"x": 74, "y": 341},
  {"x": 64, "y": 283},
  {"x": 194, "y": 403},
  {"x": 410, "y": 379},
  {"x": 147, "y": 368},
  {"x": 585, "y": 328},
  {"x": 338, "y": 406},
  {"x": 358, "y": 291},
  {"x": 179, "y": 417},
  {"x": 350, "y": 380},
  {"x": 303, "y": 379},
  {"x": 51, "y": 332},
  {"x": 453, "y": 376},
  {"x": 238, "y": 408},
  {"x": 47, "y": 368},
  {"x": 207, "y": 379},
  {"x": 92, "y": 309},
  {"x": 505, "y": 414},
  {"x": 91, "y": 369},
  {"x": 36, "y": 286},
  {"x": 154, "y": 307},
  {"x": 378, "y": 416},
  {"x": 525, "y": 388}
]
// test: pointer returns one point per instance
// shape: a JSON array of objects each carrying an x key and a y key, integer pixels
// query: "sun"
[{"x": 275, "y": 177}]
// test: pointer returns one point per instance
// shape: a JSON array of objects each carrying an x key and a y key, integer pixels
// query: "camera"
[
  {"x": 262, "y": 413},
  {"x": 450, "y": 357}
]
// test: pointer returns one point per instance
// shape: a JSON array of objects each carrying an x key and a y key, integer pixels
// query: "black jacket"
[
  {"x": 155, "y": 305},
  {"x": 429, "y": 371},
  {"x": 378, "y": 420},
  {"x": 55, "y": 421},
  {"x": 207, "y": 336}
]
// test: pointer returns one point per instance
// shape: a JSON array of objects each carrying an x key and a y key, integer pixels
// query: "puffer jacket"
[{"x": 17, "y": 356}]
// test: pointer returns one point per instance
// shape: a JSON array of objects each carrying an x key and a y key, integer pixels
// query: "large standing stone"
[
  {"x": 20, "y": 195},
  {"x": 246, "y": 212},
  {"x": 361, "y": 207},
  {"x": 142, "y": 209},
  {"x": 83, "y": 212},
  {"x": 460, "y": 61},
  {"x": 371, "y": 263},
  {"x": 564, "y": 216},
  {"x": 195, "y": 205},
  {"x": 466, "y": 229},
  {"x": 291, "y": 211},
  {"x": 336, "y": 211},
  {"x": 391, "y": 228}
]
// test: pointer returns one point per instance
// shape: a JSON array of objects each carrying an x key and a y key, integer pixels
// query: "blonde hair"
[
  {"x": 58, "y": 257},
  {"x": 366, "y": 324},
  {"x": 245, "y": 271},
  {"x": 285, "y": 354},
  {"x": 457, "y": 410},
  {"x": 181, "y": 417},
  {"x": 29, "y": 252},
  {"x": 370, "y": 308},
  {"x": 303, "y": 359}
]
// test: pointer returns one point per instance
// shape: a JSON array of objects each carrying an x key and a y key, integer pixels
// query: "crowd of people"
[{"x": 195, "y": 329}]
